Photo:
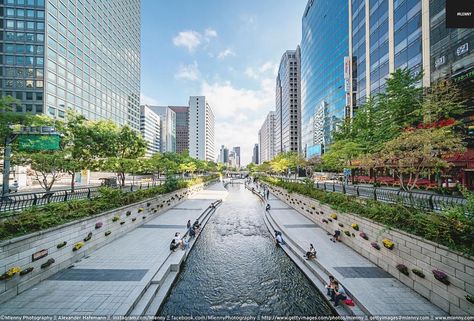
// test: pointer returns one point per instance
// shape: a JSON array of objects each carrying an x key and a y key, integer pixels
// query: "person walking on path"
[{"x": 268, "y": 193}]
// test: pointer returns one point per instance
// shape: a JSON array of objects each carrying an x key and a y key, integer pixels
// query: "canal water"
[{"x": 236, "y": 269}]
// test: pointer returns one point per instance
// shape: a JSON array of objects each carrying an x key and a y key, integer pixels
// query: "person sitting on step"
[
  {"x": 173, "y": 245},
  {"x": 311, "y": 254},
  {"x": 330, "y": 286},
  {"x": 267, "y": 208},
  {"x": 339, "y": 293}
]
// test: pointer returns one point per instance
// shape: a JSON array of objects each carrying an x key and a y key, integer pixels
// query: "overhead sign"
[{"x": 39, "y": 142}]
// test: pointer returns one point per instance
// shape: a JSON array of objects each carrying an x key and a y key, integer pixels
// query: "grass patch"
[
  {"x": 54, "y": 214},
  {"x": 454, "y": 228}
]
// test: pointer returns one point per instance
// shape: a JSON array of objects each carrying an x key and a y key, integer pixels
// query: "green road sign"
[{"x": 38, "y": 142}]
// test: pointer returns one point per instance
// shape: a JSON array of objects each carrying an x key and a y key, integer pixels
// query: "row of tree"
[
  {"x": 407, "y": 130},
  {"x": 97, "y": 145}
]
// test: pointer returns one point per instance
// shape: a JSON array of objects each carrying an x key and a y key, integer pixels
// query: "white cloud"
[
  {"x": 188, "y": 72},
  {"x": 251, "y": 73},
  {"x": 262, "y": 71},
  {"x": 239, "y": 112},
  {"x": 210, "y": 33},
  {"x": 225, "y": 53},
  {"x": 147, "y": 100},
  {"x": 189, "y": 39}
]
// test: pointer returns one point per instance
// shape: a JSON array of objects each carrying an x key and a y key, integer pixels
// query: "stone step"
[
  {"x": 145, "y": 300},
  {"x": 317, "y": 276},
  {"x": 162, "y": 293}
]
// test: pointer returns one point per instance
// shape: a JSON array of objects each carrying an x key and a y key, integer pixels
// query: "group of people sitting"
[
  {"x": 336, "y": 292},
  {"x": 180, "y": 242}
]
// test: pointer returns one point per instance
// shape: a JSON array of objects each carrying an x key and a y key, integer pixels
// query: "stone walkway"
[
  {"x": 111, "y": 279},
  {"x": 376, "y": 290}
]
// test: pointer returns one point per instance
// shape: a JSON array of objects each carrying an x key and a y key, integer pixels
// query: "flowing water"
[{"x": 235, "y": 269}]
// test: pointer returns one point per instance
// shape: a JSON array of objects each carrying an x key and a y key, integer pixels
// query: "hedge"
[
  {"x": 55, "y": 214},
  {"x": 453, "y": 231}
]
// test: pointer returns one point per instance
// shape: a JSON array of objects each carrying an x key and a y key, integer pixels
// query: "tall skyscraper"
[
  {"x": 182, "y": 128},
  {"x": 150, "y": 128},
  {"x": 237, "y": 155},
  {"x": 73, "y": 54},
  {"x": 266, "y": 138},
  {"x": 201, "y": 129},
  {"x": 288, "y": 107},
  {"x": 324, "y": 45},
  {"x": 223, "y": 155},
  {"x": 384, "y": 36},
  {"x": 168, "y": 127},
  {"x": 255, "y": 157}
]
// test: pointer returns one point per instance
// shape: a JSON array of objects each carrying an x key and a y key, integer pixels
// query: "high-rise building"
[
  {"x": 266, "y": 138},
  {"x": 255, "y": 154},
  {"x": 324, "y": 45},
  {"x": 384, "y": 36},
  {"x": 201, "y": 129},
  {"x": 182, "y": 128},
  {"x": 223, "y": 155},
  {"x": 168, "y": 127},
  {"x": 288, "y": 107},
  {"x": 237, "y": 155},
  {"x": 150, "y": 128},
  {"x": 72, "y": 54}
]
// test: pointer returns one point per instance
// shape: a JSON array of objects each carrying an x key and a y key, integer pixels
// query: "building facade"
[
  {"x": 266, "y": 138},
  {"x": 288, "y": 103},
  {"x": 237, "y": 155},
  {"x": 201, "y": 129},
  {"x": 324, "y": 45},
  {"x": 182, "y": 128},
  {"x": 150, "y": 128},
  {"x": 80, "y": 55},
  {"x": 168, "y": 128},
  {"x": 223, "y": 155},
  {"x": 255, "y": 154}
]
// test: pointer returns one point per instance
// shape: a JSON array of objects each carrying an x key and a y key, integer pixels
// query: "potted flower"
[
  {"x": 388, "y": 244},
  {"x": 441, "y": 277},
  {"x": 340, "y": 224},
  {"x": 122, "y": 223},
  {"x": 107, "y": 233},
  {"x": 334, "y": 216},
  {"x": 418, "y": 272},
  {"x": 77, "y": 246},
  {"x": 27, "y": 270},
  {"x": 115, "y": 218},
  {"x": 355, "y": 226},
  {"x": 347, "y": 233},
  {"x": 98, "y": 225},
  {"x": 402, "y": 268},
  {"x": 375, "y": 245},
  {"x": 10, "y": 273},
  {"x": 88, "y": 237},
  {"x": 330, "y": 219},
  {"x": 144, "y": 217},
  {"x": 140, "y": 210},
  {"x": 128, "y": 213},
  {"x": 134, "y": 219},
  {"x": 363, "y": 235},
  {"x": 325, "y": 221},
  {"x": 62, "y": 244},
  {"x": 47, "y": 263}
]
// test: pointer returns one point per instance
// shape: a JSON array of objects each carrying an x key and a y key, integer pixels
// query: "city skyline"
[{"x": 228, "y": 52}]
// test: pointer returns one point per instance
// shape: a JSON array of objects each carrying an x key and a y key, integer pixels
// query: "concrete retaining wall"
[
  {"x": 18, "y": 252},
  {"x": 410, "y": 250}
]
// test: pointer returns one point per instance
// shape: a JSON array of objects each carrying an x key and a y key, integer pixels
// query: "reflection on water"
[{"x": 235, "y": 269}]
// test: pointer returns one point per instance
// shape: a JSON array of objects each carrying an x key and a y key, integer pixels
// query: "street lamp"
[{"x": 17, "y": 130}]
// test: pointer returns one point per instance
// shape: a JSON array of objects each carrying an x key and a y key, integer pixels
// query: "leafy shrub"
[{"x": 418, "y": 272}]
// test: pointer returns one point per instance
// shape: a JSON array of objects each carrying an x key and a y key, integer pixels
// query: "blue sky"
[{"x": 227, "y": 50}]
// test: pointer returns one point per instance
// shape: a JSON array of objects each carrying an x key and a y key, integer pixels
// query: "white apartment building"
[
  {"x": 168, "y": 127},
  {"x": 266, "y": 138},
  {"x": 150, "y": 128},
  {"x": 201, "y": 129}
]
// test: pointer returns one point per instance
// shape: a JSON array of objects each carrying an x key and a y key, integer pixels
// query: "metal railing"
[
  {"x": 12, "y": 203},
  {"x": 427, "y": 201}
]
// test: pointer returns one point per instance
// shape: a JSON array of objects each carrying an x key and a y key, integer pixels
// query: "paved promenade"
[
  {"x": 111, "y": 279},
  {"x": 377, "y": 291}
]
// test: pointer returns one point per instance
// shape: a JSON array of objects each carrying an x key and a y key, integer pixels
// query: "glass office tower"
[
  {"x": 324, "y": 45},
  {"x": 79, "y": 54}
]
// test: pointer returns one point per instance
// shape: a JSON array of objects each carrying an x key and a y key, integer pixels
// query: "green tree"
[{"x": 341, "y": 155}]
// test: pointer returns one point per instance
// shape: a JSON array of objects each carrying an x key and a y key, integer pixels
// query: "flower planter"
[
  {"x": 10, "y": 273},
  {"x": 27, "y": 270},
  {"x": 375, "y": 245},
  {"x": 353, "y": 235},
  {"x": 128, "y": 213},
  {"x": 62, "y": 244},
  {"x": 341, "y": 225},
  {"x": 122, "y": 223},
  {"x": 402, "y": 268},
  {"x": 47, "y": 263},
  {"x": 347, "y": 233},
  {"x": 363, "y": 235},
  {"x": 388, "y": 244},
  {"x": 418, "y": 272},
  {"x": 441, "y": 277},
  {"x": 115, "y": 218},
  {"x": 355, "y": 226},
  {"x": 134, "y": 219},
  {"x": 329, "y": 219},
  {"x": 107, "y": 233},
  {"x": 144, "y": 217},
  {"x": 325, "y": 221},
  {"x": 470, "y": 298},
  {"x": 78, "y": 246},
  {"x": 148, "y": 204},
  {"x": 88, "y": 237},
  {"x": 334, "y": 216},
  {"x": 98, "y": 225},
  {"x": 140, "y": 210}
]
